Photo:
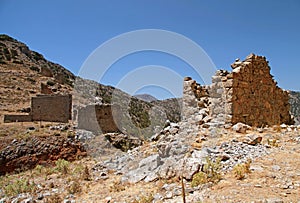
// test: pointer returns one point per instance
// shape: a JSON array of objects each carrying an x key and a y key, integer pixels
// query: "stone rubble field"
[{"x": 152, "y": 172}]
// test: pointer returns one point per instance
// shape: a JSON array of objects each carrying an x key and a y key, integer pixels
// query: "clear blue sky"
[{"x": 67, "y": 31}]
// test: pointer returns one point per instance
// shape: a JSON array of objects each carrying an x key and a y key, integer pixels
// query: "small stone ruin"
[
  {"x": 51, "y": 108},
  {"x": 248, "y": 94},
  {"x": 99, "y": 118}
]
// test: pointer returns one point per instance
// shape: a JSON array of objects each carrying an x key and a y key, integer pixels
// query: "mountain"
[{"x": 146, "y": 97}]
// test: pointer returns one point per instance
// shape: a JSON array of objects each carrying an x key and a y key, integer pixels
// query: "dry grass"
[
  {"x": 210, "y": 173},
  {"x": 241, "y": 170}
]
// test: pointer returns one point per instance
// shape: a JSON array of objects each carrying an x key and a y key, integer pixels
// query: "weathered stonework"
[
  {"x": 248, "y": 94},
  {"x": 99, "y": 118},
  {"x": 53, "y": 108}
]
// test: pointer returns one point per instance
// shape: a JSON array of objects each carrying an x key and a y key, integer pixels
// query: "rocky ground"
[{"x": 153, "y": 171}]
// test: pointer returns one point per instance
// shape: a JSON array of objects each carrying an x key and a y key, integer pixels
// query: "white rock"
[
  {"x": 284, "y": 126},
  {"x": 240, "y": 127}
]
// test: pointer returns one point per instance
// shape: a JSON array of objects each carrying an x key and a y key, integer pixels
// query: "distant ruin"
[
  {"x": 99, "y": 118},
  {"x": 51, "y": 108},
  {"x": 248, "y": 94}
]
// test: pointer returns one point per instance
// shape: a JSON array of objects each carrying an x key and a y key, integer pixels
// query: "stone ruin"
[
  {"x": 248, "y": 94},
  {"x": 99, "y": 118},
  {"x": 51, "y": 108}
]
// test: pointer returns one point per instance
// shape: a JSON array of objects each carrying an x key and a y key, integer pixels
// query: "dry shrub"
[
  {"x": 74, "y": 187},
  {"x": 240, "y": 170},
  {"x": 117, "y": 187},
  {"x": 210, "y": 173}
]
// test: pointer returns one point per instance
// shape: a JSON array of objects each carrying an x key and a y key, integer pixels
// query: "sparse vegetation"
[
  {"x": 273, "y": 142},
  {"x": 86, "y": 174},
  {"x": 74, "y": 187},
  {"x": 34, "y": 68},
  {"x": 37, "y": 56},
  {"x": 277, "y": 128},
  {"x": 240, "y": 170},
  {"x": 209, "y": 173},
  {"x": 117, "y": 186},
  {"x": 144, "y": 199},
  {"x": 20, "y": 185},
  {"x": 62, "y": 166}
]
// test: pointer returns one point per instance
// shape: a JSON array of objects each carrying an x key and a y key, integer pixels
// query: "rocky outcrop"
[
  {"x": 122, "y": 141},
  {"x": 26, "y": 154}
]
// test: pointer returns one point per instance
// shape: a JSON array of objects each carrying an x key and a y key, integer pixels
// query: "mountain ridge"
[{"x": 146, "y": 97}]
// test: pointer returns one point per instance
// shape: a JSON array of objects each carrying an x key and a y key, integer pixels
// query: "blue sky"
[{"x": 68, "y": 31}]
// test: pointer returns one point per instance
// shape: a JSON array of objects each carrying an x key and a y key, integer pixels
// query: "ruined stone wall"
[
  {"x": 256, "y": 98},
  {"x": 249, "y": 94},
  {"x": 17, "y": 118},
  {"x": 98, "y": 118},
  {"x": 220, "y": 97},
  {"x": 54, "y": 108},
  {"x": 194, "y": 98}
]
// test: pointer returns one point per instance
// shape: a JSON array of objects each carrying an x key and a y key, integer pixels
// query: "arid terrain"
[{"x": 185, "y": 159}]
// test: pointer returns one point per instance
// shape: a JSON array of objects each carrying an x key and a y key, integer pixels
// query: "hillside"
[
  {"x": 22, "y": 73},
  {"x": 26, "y": 73}
]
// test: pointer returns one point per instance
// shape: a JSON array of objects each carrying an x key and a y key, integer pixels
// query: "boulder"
[
  {"x": 240, "y": 128},
  {"x": 122, "y": 141}
]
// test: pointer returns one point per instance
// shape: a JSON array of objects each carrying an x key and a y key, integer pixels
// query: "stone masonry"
[
  {"x": 248, "y": 94},
  {"x": 99, "y": 118},
  {"x": 51, "y": 108}
]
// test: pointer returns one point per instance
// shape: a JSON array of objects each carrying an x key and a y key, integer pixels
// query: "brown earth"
[{"x": 23, "y": 146}]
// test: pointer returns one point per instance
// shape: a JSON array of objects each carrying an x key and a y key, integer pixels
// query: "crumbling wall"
[
  {"x": 256, "y": 98},
  {"x": 220, "y": 97},
  {"x": 52, "y": 108},
  {"x": 249, "y": 94},
  {"x": 99, "y": 118},
  {"x": 194, "y": 102},
  {"x": 17, "y": 118}
]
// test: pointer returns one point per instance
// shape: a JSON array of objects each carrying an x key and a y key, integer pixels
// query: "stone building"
[
  {"x": 248, "y": 94},
  {"x": 51, "y": 108},
  {"x": 99, "y": 118}
]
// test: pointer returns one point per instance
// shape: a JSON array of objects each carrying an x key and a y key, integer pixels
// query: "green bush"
[
  {"x": 62, "y": 166},
  {"x": 19, "y": 186}
]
